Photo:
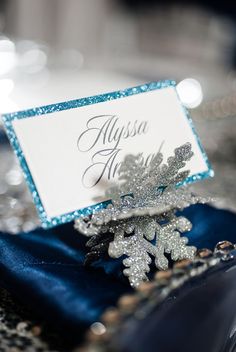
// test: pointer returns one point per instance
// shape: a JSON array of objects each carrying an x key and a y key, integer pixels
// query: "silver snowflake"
[{"x": 142, "y": 215}]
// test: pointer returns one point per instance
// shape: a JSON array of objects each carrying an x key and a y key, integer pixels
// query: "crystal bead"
[
  {"x": 145, "y": 288},
  {"x": 182, "y": 264},
  {"x": 128, "y": 302},
  {"x": 163, "y": 275},
  {"x": 204, "y": 253},
  {"x": 224, "y": 247},
  {"x": 111, "y": 316}
]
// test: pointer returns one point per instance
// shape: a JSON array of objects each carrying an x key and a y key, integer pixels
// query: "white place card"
[{"x": 70, "y": 151}]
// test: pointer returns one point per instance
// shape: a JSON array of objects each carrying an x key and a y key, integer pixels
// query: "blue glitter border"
[{"x": 48, "y": 222}]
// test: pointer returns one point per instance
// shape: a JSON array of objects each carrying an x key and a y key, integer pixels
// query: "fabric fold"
[{"x": 44, "y": 269}]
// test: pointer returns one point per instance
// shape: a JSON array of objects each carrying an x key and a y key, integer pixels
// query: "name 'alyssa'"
[
  {"x": 105, "y": 132},
  {"x": 105, "y": 129}
]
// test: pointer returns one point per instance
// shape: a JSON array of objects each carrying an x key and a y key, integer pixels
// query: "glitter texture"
[
  {"x": 64, "y": 218},
  {"x": 142, "y": 215}
]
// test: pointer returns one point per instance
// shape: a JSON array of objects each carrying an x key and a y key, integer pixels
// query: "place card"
[{"x": 71, "y": 151}]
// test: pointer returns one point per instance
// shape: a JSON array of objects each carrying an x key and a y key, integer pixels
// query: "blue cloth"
[
  {"x": 3, "y": 138},
  {"x": 44, "y": 268},
  {"x": 199, "y": 317}
]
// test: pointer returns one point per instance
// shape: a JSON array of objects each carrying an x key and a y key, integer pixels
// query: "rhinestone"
[
  {"x": 163, "y": 275},
  {"x": 182, "y": 264},
  {"x": 111, "y": 316},
  {"x": 98, "y": 328},
  {"x": 145, "y": 288},
  {"x": 224, "y": 246},
  {"x": 204, "y": 253},
  {"x": 128, "y": 302}
]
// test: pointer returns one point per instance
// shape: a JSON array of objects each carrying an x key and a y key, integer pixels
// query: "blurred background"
[{"x": 56, "y": 50}]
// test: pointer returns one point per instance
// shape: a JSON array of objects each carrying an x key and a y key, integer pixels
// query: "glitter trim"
[{"x": 48, "y": 222}]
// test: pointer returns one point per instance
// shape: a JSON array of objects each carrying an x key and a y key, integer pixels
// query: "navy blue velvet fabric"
[
  {"x": 44, "y": 268},
  {"x": 199, "y": 317}
]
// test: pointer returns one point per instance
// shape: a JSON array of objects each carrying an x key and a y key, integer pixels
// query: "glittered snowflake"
[{"x": 141, "y": 223}]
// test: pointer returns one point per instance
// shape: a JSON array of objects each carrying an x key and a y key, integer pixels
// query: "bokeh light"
[
  {"x": 190, "y": 92},
  {"x": 7, "y": 55}
]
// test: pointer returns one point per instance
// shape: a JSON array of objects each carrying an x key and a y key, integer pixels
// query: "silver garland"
[{"x": 142, "y": 214}]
